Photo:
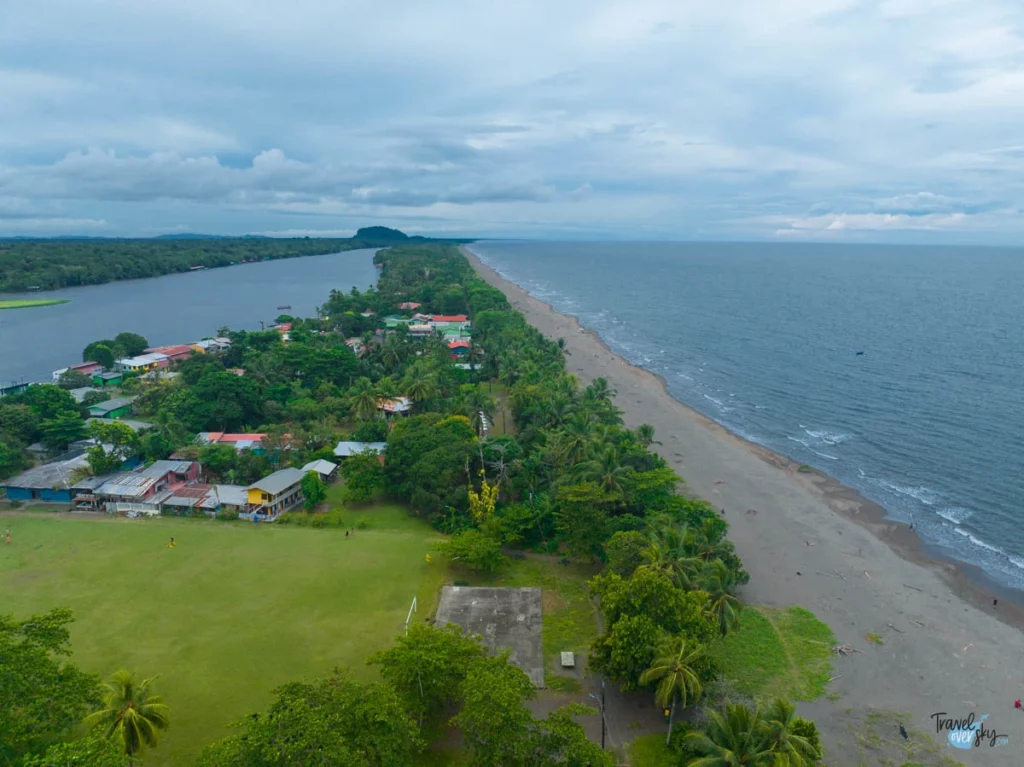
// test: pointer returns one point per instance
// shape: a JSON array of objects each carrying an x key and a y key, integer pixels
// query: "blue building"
[{"x": 50, "y": 482}]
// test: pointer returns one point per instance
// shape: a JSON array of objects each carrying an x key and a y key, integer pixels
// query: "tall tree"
[
  {"x": 363, "y": 399},
  {"x": 673, "y": 673},
  {"x": 783, "y": 731},
  {"x": 732, "y": 738},
  {"x": 427, "y": 666},
  {"x": 41, "y": 696},
  {"x": 331, "y": 721},
  {"x": 719, "y": 581},
  {"x": 314, "y": 491},
  {"x": 131, "y": 714}
]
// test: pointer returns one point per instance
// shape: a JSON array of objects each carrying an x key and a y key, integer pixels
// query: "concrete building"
[{"x": 277, "y": 493}]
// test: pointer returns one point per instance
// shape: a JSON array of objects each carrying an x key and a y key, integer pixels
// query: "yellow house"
[{"x": 276, "y": 493}]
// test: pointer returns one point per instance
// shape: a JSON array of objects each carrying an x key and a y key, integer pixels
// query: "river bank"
[{"x": 814, "y": 542}]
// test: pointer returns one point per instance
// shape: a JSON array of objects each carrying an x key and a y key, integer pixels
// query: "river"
[{"x": 175, "y": 308}]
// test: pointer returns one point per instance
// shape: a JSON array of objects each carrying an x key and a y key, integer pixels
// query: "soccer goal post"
[{"x": 412, "y": 609}]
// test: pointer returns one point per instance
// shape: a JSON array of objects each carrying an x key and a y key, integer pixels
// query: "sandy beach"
[{"x": 819, "y": 544}]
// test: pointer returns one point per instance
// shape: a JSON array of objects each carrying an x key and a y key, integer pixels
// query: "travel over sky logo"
[{"x": 969, "y": 732}]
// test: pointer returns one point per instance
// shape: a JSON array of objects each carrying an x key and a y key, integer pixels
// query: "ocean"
[{"x": 897, "y": 370}]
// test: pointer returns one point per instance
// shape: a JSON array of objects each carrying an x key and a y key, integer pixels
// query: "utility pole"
[{"x": 604, "y": 725}]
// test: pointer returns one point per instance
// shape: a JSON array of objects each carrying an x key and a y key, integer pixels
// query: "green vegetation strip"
[
  {"x": 783, "y": 652},
  {"x": 651, "y": 751},
  {"x": 26, "y": 303}
]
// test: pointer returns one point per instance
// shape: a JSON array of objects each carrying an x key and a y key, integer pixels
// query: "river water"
[{"x": 175, "y": 308}]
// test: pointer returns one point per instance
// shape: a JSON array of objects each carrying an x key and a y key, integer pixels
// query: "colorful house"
[
  {"x": 396, "y": 406},
  {"x": 108, "y": 379},
  {"x": 85, "y": 368},
  {"x": 112, "y": 408},
  {"x": 239, "y": 442},
  {"x": 174, "y": 353},
  {"x": 409, "y": 305},
  {"x": 50, "y": 482},
  {"x": 459, "y": 349},
  {"x": 448, "y": 320},
  {"x": 143, "y": 363},
  {"x": 275, "y": 494}
]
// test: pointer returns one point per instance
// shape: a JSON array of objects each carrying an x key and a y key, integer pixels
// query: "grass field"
[
  {"x": 233, "y": 611},
  {"x": 25, "y": 303},
  {"x": 778, "y": 652}
]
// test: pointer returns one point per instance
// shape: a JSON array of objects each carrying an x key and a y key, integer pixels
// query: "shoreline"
[{"x": 816, "y": 542}]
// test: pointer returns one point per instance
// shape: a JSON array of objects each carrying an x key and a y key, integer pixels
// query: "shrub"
[
  {"x": 473, "y": 550},
  {"x": 227, "y": 515},
  {"x": 805, "y": 728}
]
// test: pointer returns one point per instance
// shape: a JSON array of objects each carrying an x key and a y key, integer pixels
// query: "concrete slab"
[{"x": 504, "y": 617}]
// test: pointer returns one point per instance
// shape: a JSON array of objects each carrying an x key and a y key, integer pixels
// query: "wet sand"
[{"x": 819, "y": 544}]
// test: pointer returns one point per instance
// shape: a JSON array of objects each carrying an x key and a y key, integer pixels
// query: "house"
[
  {"x": 211, "y": 345},
  {"x": 174, "y": 353},
  {"x": 420, "y": 330},
  {"x": 173, "y": 472},
  {"x": 234, "y": 497},
  {"x": 127, "y": 487},
  {"x": 240, "y": 442},
  {"x": 397, "y": 406},
  {"x": 459, "y": 349},
  {"x": 368, "y": 313},
  {"x": 12, "y": 387},
  {"x": 275, "y": 494},
  {"x": 409, "y": 305},
  {"x": 356, "y": 345},
  {"x": 326, "y": 470},
  {"x": 85, "y": 368},
  {"x": 130, "y": 422},
  {"x": 348, "y": 449},
  {"x": 112, "y": 408},
  {"x": 421, "y": 317},
  {"x": 160, "y": 374},
  {"x": 108, "y": 379},
  {"x": 237, "y": 371},
  {"x": 51, "y": 482},
  {"x": 448, "y": 320},
  {"x": 79, "y": 393},
  {"x": 143, "y": 363},
  {"x": 187, "y": 500}
]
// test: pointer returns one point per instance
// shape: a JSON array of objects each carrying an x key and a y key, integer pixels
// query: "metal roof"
[
  {"x": 110, "y": 405},
  {"x": 320, "y": 467},
  {"x": 346, "y": 449},
  {"x": 48, "y": 476},
  {"x": 159, "y": 468},
  {"x": 128, "y": 485},
  {"x": 232, "y": 495},
  {"x": 279, "y": 481}
]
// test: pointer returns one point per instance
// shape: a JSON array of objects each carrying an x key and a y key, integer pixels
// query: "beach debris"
[
  {"x": 917, "y": 622},
  {"x": 719, "y": 481},
  {"x": 903, "y": 732},
  {"x": 915, "y": 588},
  {"x": 751, "y": 511},
  {"x": 844, "y": 649},
  {"x": 968, "y": 647},
  {"x": 809, "y": 543},
  {"x": 867, "y": 575},
  {"x": 799, "y": 573},
  {"x": 901, "y": 631},
  {"x": 834, "y": 574}
]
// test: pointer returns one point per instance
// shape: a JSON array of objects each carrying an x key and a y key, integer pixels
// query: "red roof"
[
  {"x": 411, "y": 305},
  {"x": 220, "y": 437},
  {"x": 458, "y": 345},
  {"x": 450, "y": 318},
  {"x": 284, "y": 327},
  {"x": 172, "y": 351},
  {"x": 85, "y": 366}
]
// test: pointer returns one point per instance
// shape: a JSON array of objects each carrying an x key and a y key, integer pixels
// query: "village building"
[
  {"x": 110, "y": 378},
  {"x": 211, "y": 345},
  {"x": 79, "y": 393},
  {"x": 112, "y": 408},
  {"x": 174, "y": 353},
  {"x": 50, "y": 482},
  {"x": 409, "y": 306},
  {"x": 396, "y": 406},
  {"x": 240, "y": 442},
  {"x": 348, "y": 449},
  {"x": 275, "y": 494},
  {"x": 420, "y": 330},
  {"x": 448, "y": 320},
  {"x": 143, "y": 363},
  {"x": 326, "y": 470},
  {"x": 459, "y": 349},
  {"x": 356, "y": 345},
  {"x": 85, "y": 368}
]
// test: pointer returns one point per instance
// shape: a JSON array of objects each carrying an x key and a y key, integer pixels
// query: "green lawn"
[
  {"x": 25, "y": 303},
  {"x": 651, "y": 751},
  {"x": 231, "y": 612},
  {"x": 778, "y": 652}
]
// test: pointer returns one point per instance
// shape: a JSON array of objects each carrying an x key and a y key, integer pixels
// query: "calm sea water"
[
  {"x": 176, "y": 308},
  {"x": 764, "y": 338}
]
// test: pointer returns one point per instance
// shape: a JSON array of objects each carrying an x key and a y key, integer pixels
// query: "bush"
[
  {"x": 374, "y": 430},
  {"x": 473, "y": 550},
  {"x": 805, "y": 728},
  {"x": 227, "y": 515}
]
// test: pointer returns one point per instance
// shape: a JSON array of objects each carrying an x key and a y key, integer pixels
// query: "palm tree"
[
  {"x": 733, "y": 738},
  {"x": 387, "y": 388},
  {"x": 421, "y": 387},
  {"x": 131, "y": 713},
  {"x": 718, "y": 581},
  {"x": 363, "y": 399},
  {"x": 391, "y": 353},
  {"x": 672, "y": 669},
  {"x": 789, "y": 749},
  {"x": 562, "y": 347},
  {"x": 605, "y": 470},
  {"x": 575, "y": 437},
  {"x": 645, "y": 435},
  {"x": 600, "y": 391}
]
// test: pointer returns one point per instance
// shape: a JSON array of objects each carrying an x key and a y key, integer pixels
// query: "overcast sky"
[{"x": 846, "y": 120}]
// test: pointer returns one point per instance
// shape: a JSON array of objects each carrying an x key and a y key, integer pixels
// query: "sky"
[{"x": 838, "y": 120}]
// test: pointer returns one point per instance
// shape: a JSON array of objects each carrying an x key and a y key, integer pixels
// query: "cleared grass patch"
[
  {"x": 650, "y": 751},
  {"x": 783, "y": 652},
  {"x": 26, "y": 303},
  {"x": 230, "y": 613}
]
